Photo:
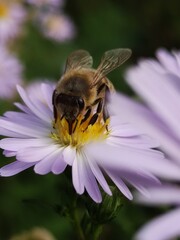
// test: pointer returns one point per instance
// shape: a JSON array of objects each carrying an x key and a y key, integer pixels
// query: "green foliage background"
[{"x": 28, "y": 200}]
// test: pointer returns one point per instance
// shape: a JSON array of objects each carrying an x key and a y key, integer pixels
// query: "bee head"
[{"x": 67, "y": 106}]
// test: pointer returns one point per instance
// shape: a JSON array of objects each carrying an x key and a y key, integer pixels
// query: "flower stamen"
[{"x": 83, "y": 131}]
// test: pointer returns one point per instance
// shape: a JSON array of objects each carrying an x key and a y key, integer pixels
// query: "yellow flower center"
[
  {"x": 3, "y": 10},
  {"x": 82, "y": 132}
]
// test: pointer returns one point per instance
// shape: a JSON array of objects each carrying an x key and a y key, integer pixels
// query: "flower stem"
[
  {"x": 77, "y": 225},
  {"x": 97, "y": 232}
]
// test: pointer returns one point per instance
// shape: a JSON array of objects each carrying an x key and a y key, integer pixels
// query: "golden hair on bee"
[{"x": 82, "y": 90}]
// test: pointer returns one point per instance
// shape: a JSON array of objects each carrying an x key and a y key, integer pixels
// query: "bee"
[{"x": 83, "y": 90}]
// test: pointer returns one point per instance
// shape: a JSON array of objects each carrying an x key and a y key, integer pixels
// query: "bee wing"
[
  {"x": 111, "y": 60},
  {"x": 79, "y": 59}
]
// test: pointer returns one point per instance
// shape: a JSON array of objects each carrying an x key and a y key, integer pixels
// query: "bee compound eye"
[{"x": 81, "y": 103}]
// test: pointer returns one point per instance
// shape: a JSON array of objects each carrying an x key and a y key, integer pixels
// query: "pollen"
[
  {"x": 83, "y": 132},
  {"x": 3, "y": 10}
]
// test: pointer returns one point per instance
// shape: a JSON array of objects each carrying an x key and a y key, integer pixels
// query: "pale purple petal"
[
  {"x": 140, "y": 180},
  {"x": 177, "y": 57},
  {"x": 120, "y": 184},
  {"x": 77, "y": 174},
  {"x": 43, "y": 101},
  {"x": 45, "y": 165},
  {"x": 141, "y": 141},
  {"x": 15, "y": 144},
  {"x": 35, "y": 154},
  {"x": 144, "y": 178},
  {"x": 127, "y": 134},
  {"x": 168, "y": 61},
  {"x": 90, "y": 183},
  {"x": 153, "y": 88},
  {"x": 14, "y": 168},
  {"x": 35, "y": 108},
  {"x": 166, "y": 194},
  {"x": 9, "y": 153},
  {"x": 23, "y": 108},
  {"x": 165, "y": 227},
  {"x": 59, "y": 164},
  {"x": 122, "y": 129},
  {"x": 47, "y": 90},
  {"x": 69, "y": 155},
  {"x": 99, "y": 176},
  {"x": 27, "y": 119},
  {"x": 29, "y": 129},
  {"x": 118, "y": 158},
  {"x": 9, "y": 133},
  {"x": 147, "y": 121}
]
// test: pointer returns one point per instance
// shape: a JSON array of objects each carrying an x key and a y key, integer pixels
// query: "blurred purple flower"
[
  {"x": 10, "y": 73},
  {"x": 166, "y": 226},
  {"x": 40, "y": 3},
  {"x": 158, "y": 83},
  {"x": 56, "y": 26},
  {"x": 12, "y": 15},
  {"x": 114, "y": 148}
]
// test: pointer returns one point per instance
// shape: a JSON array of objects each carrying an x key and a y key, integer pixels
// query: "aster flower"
[
  {"x": 157, "y": 83},
  {"x": 166, "y": 226},
  {"x": 12, "y": 15},
  {"x": 113, "y": 148},
  {"x": 40, "y": 3},
  {"x": 10, "y": 73},
  {"x": 56, "y": 26}
]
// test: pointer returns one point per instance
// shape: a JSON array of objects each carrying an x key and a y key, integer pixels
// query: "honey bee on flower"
[{"x": 80, "y": 132}]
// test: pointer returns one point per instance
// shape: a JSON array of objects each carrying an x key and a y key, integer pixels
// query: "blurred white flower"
[
  {"x": 12, "y": 16},
  {"x": 10, "y": 73},
  {"x": 57, "y": 26}
]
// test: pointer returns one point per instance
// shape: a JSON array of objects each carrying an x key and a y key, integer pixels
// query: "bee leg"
[
  {"x": 93, "y": 119},
  {"x": 100, "y": 105},
  {"x": 105, "y": 111},
  {"x": 75, "y": 125},
  {"x": 86, "y": 115},
  {"x": 98, "y": 111},
  {"x": 70, "y": 124}
]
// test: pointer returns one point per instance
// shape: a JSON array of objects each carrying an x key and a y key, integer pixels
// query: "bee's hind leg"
[{"x": 95, "y": 116}]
